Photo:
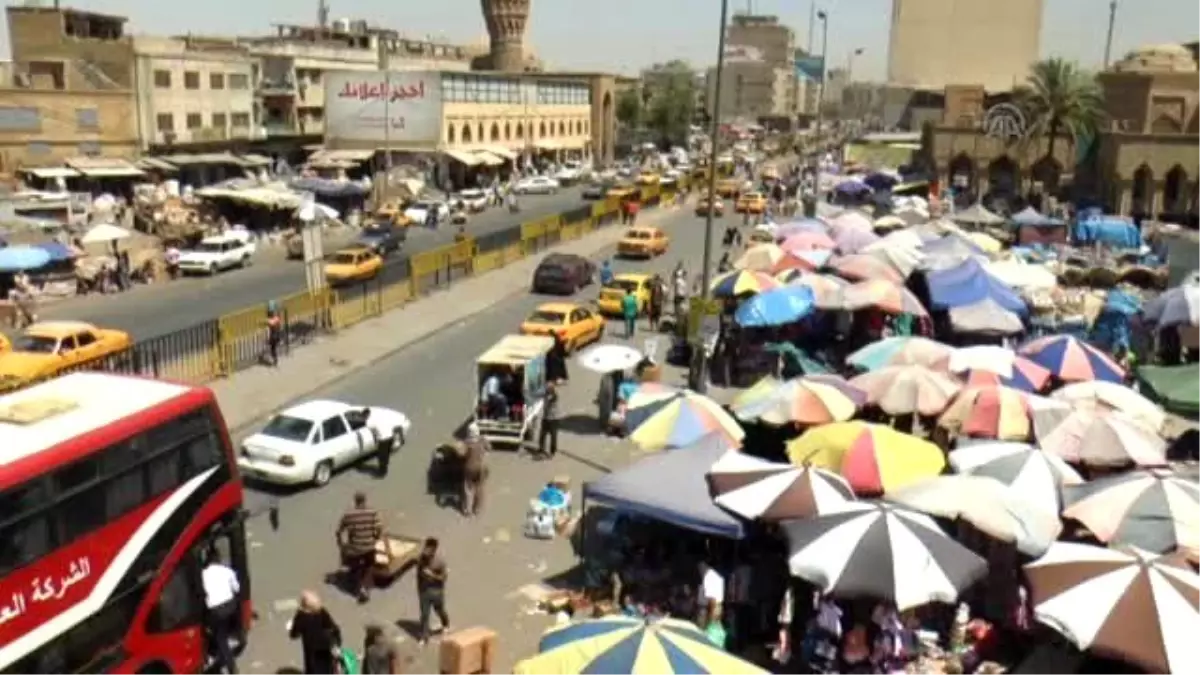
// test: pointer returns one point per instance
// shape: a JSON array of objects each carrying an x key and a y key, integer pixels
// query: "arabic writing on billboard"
[
  {"x": 811, "y": 68},
  {"x": 397, "y": 107}
]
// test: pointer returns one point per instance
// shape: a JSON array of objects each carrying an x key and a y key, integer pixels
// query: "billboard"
[
  {"x": 743, "y": 54},
  {"x": 811, "y": 68},
  {"x": 400, "y": 106}
]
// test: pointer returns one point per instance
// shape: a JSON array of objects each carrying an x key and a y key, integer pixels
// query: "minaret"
[{"x": 505, "y": 21}]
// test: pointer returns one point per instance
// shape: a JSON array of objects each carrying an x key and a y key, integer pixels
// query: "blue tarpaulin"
[
  {"x": 58, "y": 252},
  {"x": 1110, "y": 230},
  {"x": 1111, "y": 329},
  {"x": 968, "y": 284},
  {"x": 322, "y": 187}
]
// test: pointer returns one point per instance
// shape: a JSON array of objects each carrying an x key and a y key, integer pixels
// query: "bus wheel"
[{"x": 154, "y": 667}]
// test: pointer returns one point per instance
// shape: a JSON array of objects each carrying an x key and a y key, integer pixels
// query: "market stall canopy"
[
  {"x": 1174, "y": 387},
  {"x": 155, "y": 164},
  {"x": 104, "y": 167},
  {"x": 1111, "y": 230},
  {"x": 323, "y": 187},
  {"x": 51, "y": 172},
  {"x": 671, "y": 487},
  {"x": 489, "y": 159},
  {"x": 985, "y": 317},
  {"x": 501, "y": 151},
  {"x": 339, "y": 157},
  {"x": 463, "y": 157},
  {"x": 968, "y": 284},
  {"x": 19, "y": 258},
  {"x": 976, "y": 215},
  {"x": 185, "y": 160},
  {"x": 255, "y": 160},
  {"x": 1031, "y": 217},
  {"x": 1021, "y": 275}
]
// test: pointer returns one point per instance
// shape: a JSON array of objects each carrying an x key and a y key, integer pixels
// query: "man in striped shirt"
[{"x": 361, "y": 527}]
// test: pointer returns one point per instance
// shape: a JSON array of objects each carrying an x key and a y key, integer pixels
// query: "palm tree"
[{"x": 1060, "y": 97}]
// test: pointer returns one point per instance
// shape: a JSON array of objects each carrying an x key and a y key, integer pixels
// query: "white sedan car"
[
  {"x": 418, "y": 212},
  {"x": 308, "y": 442},
  {"x": 536, "y": 185}
]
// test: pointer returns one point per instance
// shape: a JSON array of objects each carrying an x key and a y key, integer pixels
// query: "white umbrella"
[
  {"x": 1115, "y": 396},
  {"x": 104, "y": 233},
  {"x": 991, "y": 358},
  {"x": 610, "y": 358},
  {"x": 1038, "y": 476},
  {"x": 757, "y": 489}
]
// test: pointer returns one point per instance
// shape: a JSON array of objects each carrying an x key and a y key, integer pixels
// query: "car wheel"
[
  {"x": 245, "y": 262},
  {"x": 322, "y": 473},
  {"x": 398, "y": 439},
  {"x": 212, "y": 270}
]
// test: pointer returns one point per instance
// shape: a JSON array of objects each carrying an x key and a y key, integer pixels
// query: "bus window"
[
  {"x": 181, "y": 604},
  {"x": 24, "y": 541}
]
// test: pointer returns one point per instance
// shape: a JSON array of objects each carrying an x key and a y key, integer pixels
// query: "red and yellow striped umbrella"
[
  {"x": 871, "y": 457},
  {"x": 995, "y": 412}
]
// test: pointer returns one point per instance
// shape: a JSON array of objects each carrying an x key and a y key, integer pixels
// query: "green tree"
[
  {"x": 1060, "y": 98},
  {"x": 671, "y": 100},
  {"x": 631, "y": 112}
]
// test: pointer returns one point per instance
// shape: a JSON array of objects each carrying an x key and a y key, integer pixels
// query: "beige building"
[
  {"x": 937, "y": 43},
  {"x": 291, "y": 90},
  {"x": 760, "y": 77},
  {"x": 193, "y": 90}
]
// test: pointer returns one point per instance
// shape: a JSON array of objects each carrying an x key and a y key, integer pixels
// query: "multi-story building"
[
  {"x": 759, "y": 79},
  {"x": 193, "y": 91},
  {"x": 68, "y": 91},
  {"x": 291, "y": 91},
  {"x": 938, "y": 43}
]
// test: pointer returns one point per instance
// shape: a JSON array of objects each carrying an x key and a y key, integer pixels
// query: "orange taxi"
[
  {"x": 48, "y": 348},
  {"x": 352, "y": 264},
  {"x": 751, "y": 202},
  {"x": 704, "y": 204},
  {"x": 643, "y": 242},
  {"x": 575, "y": 324},
  {"x": 728, "y": 187}
]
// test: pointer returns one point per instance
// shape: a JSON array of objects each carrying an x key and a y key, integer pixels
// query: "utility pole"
[
  {"x": 698, "y": 373},
  {"x": 384, "y": 63},
  {"x": 1108, "y": 41},
  {"x": 816, "y": 160}
]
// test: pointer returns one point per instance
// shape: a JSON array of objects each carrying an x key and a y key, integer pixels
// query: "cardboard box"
[{"x": 468, "y": 651}]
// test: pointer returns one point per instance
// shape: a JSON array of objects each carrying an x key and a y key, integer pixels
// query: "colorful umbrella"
[
  {"x": 907, "y": 390},
  {"x": 889, "y": 222},
  {"x": 991, "y": 506},
  {"x": 1127, "y": 604},
  {"x": 1112, "y": 396},
  {"x": 20, "y": 258},
  {"x": 807, "y": 241},
  {"x": 1155, "y": 510},
  {"x": 760, "y": 258},
  {"x": 805, "y": 261},
  {"x": 756, "y": 489},
  {"x": 850, "y": 220},
  {"x": 660, "y": 417},
  {"x": 985, "y": 365},
  {"x": 882, "y": 295},
  {"x": 1038, "y": 476},
  {"x": 871, "y": 457},
  {"x": 619, "y": 644},
  {"x": 776, "y": 307},
  {"x": 610, "y": 358},
  {"x": 737, "y": 283},
  {"x": 826, "y": 288},
  {"x": 1104, "y": 439},
  {"x": 852, "y": 240},
  {"x": 1070, "y": 359},
  {"x": 988, "y": 412},
  {"x": 803, "y": 225},
  {"x": 900, "y": 351},
  {"x": 1179, "y": 306},
  {"x": 865, "y": 266},
  {"x": 804, "y": 400},
  {"x": 881, "y": 551}
]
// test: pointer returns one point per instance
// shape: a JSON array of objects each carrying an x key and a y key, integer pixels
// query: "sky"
[{"x": 627, "y": 35}]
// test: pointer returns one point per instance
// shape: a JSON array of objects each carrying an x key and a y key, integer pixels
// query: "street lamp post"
[
  {"x": 824, "y": 18},
  {"x": 854, "y": 93},
  {"x": 698, "y": 373}
]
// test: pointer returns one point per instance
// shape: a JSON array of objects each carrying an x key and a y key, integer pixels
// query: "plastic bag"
[{"x": 347, "y": 662}]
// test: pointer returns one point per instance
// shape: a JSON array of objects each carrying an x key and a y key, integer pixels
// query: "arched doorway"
[
  {"x": 541, "y": 129},
  {"x": 520, "y": 131},
  {"x": 607, "y": 123},
  {"x": 1004, "y": 183},
  {"x": 466, "y": 133},
  {"x": 480, "y": 135},
  {"x": 1047, "y": 175},
  {"x": 961, "y": 172},
  {"x": 1175, "y": 189},
  {"x": 495, "y": 131},
  {"x": 1141, "y": 190},
  {"x": 451, "y": 135},
  {"x": 508, "y": 131}
]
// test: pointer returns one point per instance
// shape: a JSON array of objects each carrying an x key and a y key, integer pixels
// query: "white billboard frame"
[{"x": 358, "y": 102}]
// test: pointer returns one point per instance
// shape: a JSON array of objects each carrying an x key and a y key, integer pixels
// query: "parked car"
[
  {"x": 418, "y": 212},
  {"x": 536, "y": 185},
  {"x": 47, "y": 348},
  {"x": 597, "y": 189},
  {"x": 382, "y": 238},
  {"x": 308, "y": 442},
  {"x": 563, "y": 273},
  {"x": 219, "y": 252},
  {"x": 473, "y": 200},
  {"x": 571, "y": 173}
]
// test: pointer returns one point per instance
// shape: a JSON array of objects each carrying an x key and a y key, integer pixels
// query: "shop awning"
[
  {"x": 501, "y": 151},
  {"x": 546, "y": 144},
  {"x": 467, "y": 158},
  {"x": 337, "y": 156},
  {"x": 490, "y": 159},
  {"x": 104, "y": 167},
  {"x": 52, "y": 172},
  {"x": 154, "y": 164},
  {"x": 208, "y": 158},
  {"x": 256, "y": 160}
]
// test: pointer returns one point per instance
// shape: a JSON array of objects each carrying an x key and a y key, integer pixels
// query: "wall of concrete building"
[
  {"x": 63, "y": 124},
  {"x": 40, "y": 34},
  {"x": 751, "y": 89},
  {"x": 935, "y": 43}
]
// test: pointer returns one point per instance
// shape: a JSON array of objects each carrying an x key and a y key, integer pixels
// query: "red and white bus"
[{"x": 112, "y": 489}]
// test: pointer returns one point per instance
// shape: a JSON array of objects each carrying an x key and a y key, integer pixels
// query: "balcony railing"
[{"x": 276, "y": 88}]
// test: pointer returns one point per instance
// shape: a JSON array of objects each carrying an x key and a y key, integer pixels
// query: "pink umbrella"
[
  {"x": 807, "y": 241},
  {"x": 905, "y": 390},
  {"x": 853, "y": 240},
  {"x": 882, "y": 295},
  {"x": 851, "y": 220},
  {"x": 860, "y": 267},
  {"x": 1103, "y": 439}
]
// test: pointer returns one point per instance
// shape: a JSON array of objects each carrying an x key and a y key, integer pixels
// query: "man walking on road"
[
  {"x": 550, "y": 418},
  {"x": 431, "y": 588},
  {"x": 629, "y": 310},
  {"x": 474, "y": 471},
  {"x": 356, "y": 535}
]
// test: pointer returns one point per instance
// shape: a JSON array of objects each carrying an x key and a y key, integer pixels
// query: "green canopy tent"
[{"x": 1176, "y": 388}]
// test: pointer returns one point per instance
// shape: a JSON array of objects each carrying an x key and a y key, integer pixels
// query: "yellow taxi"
[
  {"x": 575, "y": 324},
  {"x": 352, "y": 264},
  {"x": 5, "y": 345},
  {"x": 48, "y": 348},
  {"x": 643, "y": 242},
  {"x": 751, "y": 202},
  {"x": 648, "y": 178},
  {"x": 704, "y": 204},
  {"x": 621, "y": 192},
  {"x": 612, "y": 293},
  {"x": 728, "y": 187},
  {"x": 770, "y": 173}
]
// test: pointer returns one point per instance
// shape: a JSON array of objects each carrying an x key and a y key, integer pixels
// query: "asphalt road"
[
  {"x": 149, "y": 311},
  {"x": 490, "y": 561}
]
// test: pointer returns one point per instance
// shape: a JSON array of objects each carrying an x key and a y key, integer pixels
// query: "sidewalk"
[{"x": 249, "y": 395}]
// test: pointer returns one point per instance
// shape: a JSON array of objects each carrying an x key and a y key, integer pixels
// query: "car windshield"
[
  {"x": 546, "y": 316},
  {"x": 622, "y": 284},
  {"x": 375, "y": 231},
  {"x": 638, "y": 234},
  {"x": 288, "y": 428},
  {"x": 340, "y": 258},
  {"x": 39, "y": 344},
  {"x": 209, "y": 247}
]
